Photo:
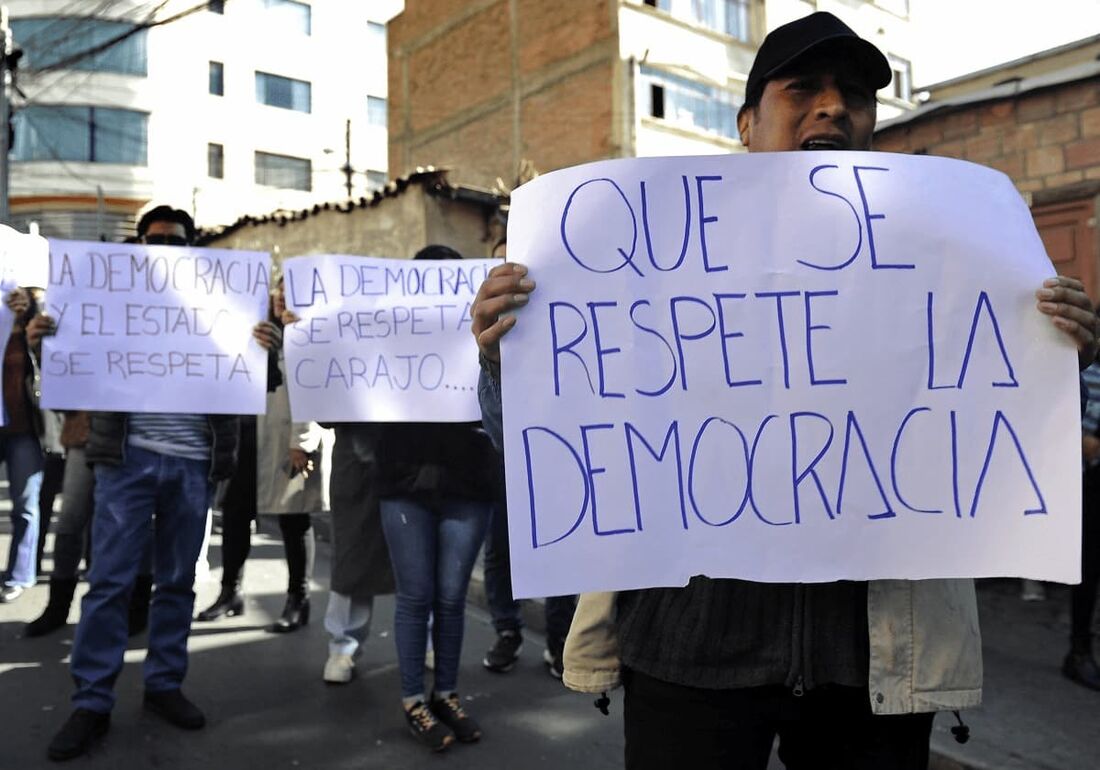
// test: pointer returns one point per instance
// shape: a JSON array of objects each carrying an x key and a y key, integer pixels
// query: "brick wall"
[
  {"x": 1044, "y": 140},
  {"x": 478, "y": 86}
]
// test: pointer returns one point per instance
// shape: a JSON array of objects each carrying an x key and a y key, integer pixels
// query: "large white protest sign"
[
  {"x": 382, "y": 340},
  {"x": 785, "y": 367},
  {"x": 155, "y": 329}
]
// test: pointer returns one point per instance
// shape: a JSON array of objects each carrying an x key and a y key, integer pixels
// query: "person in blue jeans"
[
  {"x": 21, "y": 453},
  {"x": 145, "y": 463},
  {"x": 437, "y": 483}
]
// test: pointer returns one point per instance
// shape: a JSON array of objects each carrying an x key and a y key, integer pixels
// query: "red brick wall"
[
  {"x": 466, "y": 77},
  {"x": 1043, "y": 140}
]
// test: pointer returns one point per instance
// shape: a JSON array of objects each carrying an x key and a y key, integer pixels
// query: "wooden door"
[{"x": 1068, "y": 231}]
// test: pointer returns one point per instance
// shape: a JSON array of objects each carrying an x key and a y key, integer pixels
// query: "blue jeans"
[
  {"x": 433, "y": 550},
  {"x": 25, "y": 462},
  {"x": 503, "y": 608},
  {"x": 125, "y": 499}
]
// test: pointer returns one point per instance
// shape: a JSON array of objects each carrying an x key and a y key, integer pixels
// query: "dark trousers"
[
  {"x": 503, "y": 607},
  {"x": 239, "y": 509},
  {"x": 828, "y": 728},
  {"x": 1083, "y": 596},
  {"x": 52, "y": 476}
]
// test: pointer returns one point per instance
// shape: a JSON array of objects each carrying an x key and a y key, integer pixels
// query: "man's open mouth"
[{"x": 824, "y": 143}]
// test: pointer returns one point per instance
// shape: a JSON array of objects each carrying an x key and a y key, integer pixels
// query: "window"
[
  {"x": 216, "y": 6},
  {"x": 728, "y": 16},
  {"x": 376, "y": 111},
  {"x": 215, "y": 161},
  {"x": 691, "y": 104},
  {"x": 63, "y": 41},
  {"x": 286, "y": 93},
  {"x": 901, "y": 87},
  {"x": 284, "y": 171},
  {"x": 291, "y": 15},
  {"x": 78, "y": 133},
  {"x": 376, "y": 34},
  {"x": 376, "y": 180},
  {"x": 217, "y": 78}
]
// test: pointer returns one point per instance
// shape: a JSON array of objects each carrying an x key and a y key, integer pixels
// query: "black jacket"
[
  {"x": 436, "y": 461},
  {"x": 107, "y": 441}
]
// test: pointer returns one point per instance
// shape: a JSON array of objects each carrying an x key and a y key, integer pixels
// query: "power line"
[{"x": 149, "y": 23}]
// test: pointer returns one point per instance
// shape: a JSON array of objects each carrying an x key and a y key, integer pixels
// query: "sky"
[{"x": 961, "y": 36}]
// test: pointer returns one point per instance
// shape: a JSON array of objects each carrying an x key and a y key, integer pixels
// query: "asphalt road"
[{"x": 267, "y": 706}]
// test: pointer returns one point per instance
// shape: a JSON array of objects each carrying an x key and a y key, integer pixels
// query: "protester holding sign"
[
  {"x": 503, "y": 607},
  {"x": 21, "y": 452},
  {"x": 437, "y": 483},
  {"x": 847, "y": 674},
  {"x": 144, "y": 463}
]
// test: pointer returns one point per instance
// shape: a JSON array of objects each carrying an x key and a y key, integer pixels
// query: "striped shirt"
[{"x": 177, "y": 435}]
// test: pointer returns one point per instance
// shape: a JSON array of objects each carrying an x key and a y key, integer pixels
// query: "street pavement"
[{"x": 268, "y": 708}]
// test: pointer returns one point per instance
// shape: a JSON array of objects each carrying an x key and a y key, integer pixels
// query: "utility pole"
[
  {"x": 347, "y": 169},
  {"x": 6, "y": 49}
]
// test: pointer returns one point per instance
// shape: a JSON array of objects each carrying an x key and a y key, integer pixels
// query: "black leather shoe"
[
  {"x": 1081, "y": 667},
  {"x": 295, "y": 615},
  {"x": 228, "y": 603},
  {"x": 76, "y": 736},
  {"x": 172, "y": 707}
]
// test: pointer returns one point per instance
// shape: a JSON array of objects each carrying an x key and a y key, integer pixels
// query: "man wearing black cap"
[{"x": 846, "y": 674}]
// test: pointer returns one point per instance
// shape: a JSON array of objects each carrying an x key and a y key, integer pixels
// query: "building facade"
[
  {"x": 1037, "y": 120},
  {"x": 239, "y": 107},
  {"x": 481, "y": 85}
]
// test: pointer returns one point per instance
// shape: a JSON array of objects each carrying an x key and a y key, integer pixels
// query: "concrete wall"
[{"x": 397, "y": 226}]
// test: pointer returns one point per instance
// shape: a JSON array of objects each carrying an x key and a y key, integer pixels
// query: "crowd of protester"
[{"x": 412, "y": 504}]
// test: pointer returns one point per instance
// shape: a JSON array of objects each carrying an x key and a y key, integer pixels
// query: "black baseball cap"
[{"x": 787, "y": 44}]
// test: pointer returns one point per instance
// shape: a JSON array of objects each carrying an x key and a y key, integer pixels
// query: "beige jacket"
[{"x": 926, "y": 652}]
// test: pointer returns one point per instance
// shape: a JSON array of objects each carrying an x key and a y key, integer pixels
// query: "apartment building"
[
  {"x": 480, "y": 85},
  {"x": 224, "y": 108}
]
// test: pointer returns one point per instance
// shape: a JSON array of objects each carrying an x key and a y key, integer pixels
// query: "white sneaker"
[{"x": 339, "y": 669}]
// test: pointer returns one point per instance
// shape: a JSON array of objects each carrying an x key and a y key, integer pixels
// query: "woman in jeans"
[{"x": 437, "y": 483}]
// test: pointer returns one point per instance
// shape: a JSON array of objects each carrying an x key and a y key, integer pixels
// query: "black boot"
[
  {"x": 1081, "y": 667},
  {"x": 139, "y": 604},
  {"x": 56, "y": 613},
  {"x": 295, "y": 615},
  {"x": 228, "y": 603}
]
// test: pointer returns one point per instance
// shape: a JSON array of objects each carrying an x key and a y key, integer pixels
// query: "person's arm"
[
  {"x": 488, "y": 395},
  {"x": 505, "y": 289}
]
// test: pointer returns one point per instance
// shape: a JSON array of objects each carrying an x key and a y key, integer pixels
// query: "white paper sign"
[
  {"x": 785, "y": 367},
  {"x": 382, "y": 340},
  {"x": 155, "y": 329},
  {"x": 24, "y": 258}
]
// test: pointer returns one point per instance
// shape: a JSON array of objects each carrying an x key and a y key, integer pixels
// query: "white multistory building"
[
  {"x": 691, "y": 59},
  {"x": 236, "y": 107}
]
